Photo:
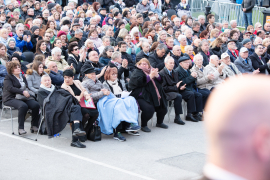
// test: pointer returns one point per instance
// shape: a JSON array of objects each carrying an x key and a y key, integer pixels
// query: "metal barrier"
[{"x": 226, "y": 11}]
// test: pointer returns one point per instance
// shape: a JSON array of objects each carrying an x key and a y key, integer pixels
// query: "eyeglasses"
[{"x": 110, "y": 51}]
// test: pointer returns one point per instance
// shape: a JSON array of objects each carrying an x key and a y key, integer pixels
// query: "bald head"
[
  {"x": 238, "y": 126},
  {"x": 176, "y": 50},
  {"x": 53, "y": 66}
]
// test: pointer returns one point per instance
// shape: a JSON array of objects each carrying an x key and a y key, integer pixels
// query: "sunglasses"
[{"x": 75, "y": 49}]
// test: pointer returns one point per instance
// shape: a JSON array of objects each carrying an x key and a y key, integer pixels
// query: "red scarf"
[{"x": 236, "y": 51}]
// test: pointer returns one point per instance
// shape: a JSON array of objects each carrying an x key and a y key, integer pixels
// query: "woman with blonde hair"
[
  {"x": 3, "y": 54},
  {"x": 224, "y": 37},
  {"x": 189, "y": 51},
  {"x": 215, "y": 47},
  {"x": 214, "y": 34},
  {"x": 4, "y": 36},
  {"x": 122, "y": 34}
]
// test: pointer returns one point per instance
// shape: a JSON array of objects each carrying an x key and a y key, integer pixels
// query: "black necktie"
[{"x": 232, "y": 69}]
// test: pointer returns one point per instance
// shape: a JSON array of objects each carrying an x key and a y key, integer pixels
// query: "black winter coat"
[
  {"x": 12, "y": 87},
  {"x": 256, "y": 63},
  {"x": 138, "y": 85},
  {"x": 34, "y": 41},
  {"x": 76, "y": 64},
  {"x": 186, "y": 78},
  {"x": 57, "y": 110},
  {"x": 130, "y": 3},
  {"x": 166, "y": 6},
  {"x": 169, "y": 83},
  {"x": 176, "y": 58},
  {"x": 156, "y": 62},
  {"x": 141, "y": 55},
  {"x": 216, "y": 51},
  {"x": 131, "y": 63}
]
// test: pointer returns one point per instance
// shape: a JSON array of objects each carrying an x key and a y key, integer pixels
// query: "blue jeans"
[{"x": 248, "y": 19}]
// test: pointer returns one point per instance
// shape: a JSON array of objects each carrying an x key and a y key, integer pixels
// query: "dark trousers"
[
  {"x": 193, "y": 99},
  {"x": 23, "y": 107},
  {"x": 148, "y": 110},
  {"x": 205, "y": 93},
  {"x": 75, "y": 113},
  {"x": 178, "y": 105},
  {"x": 89, "y": 117}
]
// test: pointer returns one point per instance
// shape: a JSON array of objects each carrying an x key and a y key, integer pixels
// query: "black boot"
[
  {"x": 77, "y": 131},
  {"x": 178, "y": 120}
]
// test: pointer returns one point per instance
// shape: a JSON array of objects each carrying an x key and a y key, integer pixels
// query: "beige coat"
[
  {"x": 202, "y": 79},
  {"x": 78, "y": 84},
  {"x": 60, "y": 65},
  {"x": 229, "y": 72},
  {"x": 212, "y": 69}
]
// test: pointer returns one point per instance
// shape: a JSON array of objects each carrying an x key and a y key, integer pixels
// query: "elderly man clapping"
[{"x": 215, "y": 72}]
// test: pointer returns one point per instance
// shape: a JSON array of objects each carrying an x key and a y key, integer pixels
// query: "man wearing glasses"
[{"x": 258, "y": 61}]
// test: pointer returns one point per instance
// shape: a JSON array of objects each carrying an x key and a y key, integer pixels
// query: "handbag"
[
  {"x": 94, "y": 133},
  {"x": 88, "y": 104}
]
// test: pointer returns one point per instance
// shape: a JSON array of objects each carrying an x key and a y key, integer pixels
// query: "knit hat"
[
  {"x": 157, "y": 22},
  {"x": 11, "y": 39},
  {"x": 34, "y": 28},
  {"x": 245, "y": 41},
  {"x": 111, "y": 7},
  {"x": 16, "y": 55},
  {"x": 60, "y": 33}
]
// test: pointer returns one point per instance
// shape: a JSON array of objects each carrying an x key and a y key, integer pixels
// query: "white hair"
[
  {"x": 233, "y": 21},
  {"x": 201, "y": 17},
  {"x": 187, "y": 47},
  {"x": 63, "y": 27},
  {"x": 115, "y": 55},
  {"x": 88, "y": 41},
  {"x": 257, "y": 39},
  {"x": 153, "y": 18},
  {"x": 78, "y": 31},
  {"x": 196, "y": 57},
  {"x": 133, "y": 30},
  {"x": 176, "y": 19},
  {"x": 19, "y": 26},
  {"x": 88, "y": 12},
  {"x": 69, "y": 12},
  {"x": 181, "y": 36},
  {"x": 189, "y": 29},
  {"x": 97, "y": 16},
  {"x": 45, "y": 76},
  {"x": 35, "y": 20},
  {"x": 257, "y": 24},
  {"x": 184, "y": 28},
  {"x": 212, "y": 57},
  {"x": 174, "y": 47},
  {"x": 45, "y": 10},
  {"x": 55, "y": 50},
  {"x": 167, "y": 59}
]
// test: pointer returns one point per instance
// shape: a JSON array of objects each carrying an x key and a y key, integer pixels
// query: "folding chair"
[{"x": 10, "y": 108}]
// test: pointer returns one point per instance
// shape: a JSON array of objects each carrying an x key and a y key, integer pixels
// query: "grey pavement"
[{"x": 177, "y": 153}]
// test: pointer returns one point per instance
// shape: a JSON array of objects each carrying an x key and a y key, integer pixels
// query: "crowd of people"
[{"x": 132, "y": 61}]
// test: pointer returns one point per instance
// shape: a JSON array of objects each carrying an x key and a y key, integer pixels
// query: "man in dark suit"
[
  {"x": 258, "y": 61},
  {"x": 243, "y": 63},
  {"x": 237, "y": 129},
  {"x": 144, "y": 53},
  {"x": 157, "y": 57},
  {"x": 190, "y": 94},
  {"x": 171, "y": 86}
]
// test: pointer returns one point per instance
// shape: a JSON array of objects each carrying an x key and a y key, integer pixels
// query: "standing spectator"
[{"x": 247, "y": 6}]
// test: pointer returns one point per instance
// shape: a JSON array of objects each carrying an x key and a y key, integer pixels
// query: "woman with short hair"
[
  {"x": 16, "y": 94},
  {"x": 146, "y": 86}
]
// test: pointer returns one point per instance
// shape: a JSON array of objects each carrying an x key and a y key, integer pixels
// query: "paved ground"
[{"x": 175, "y": 153}]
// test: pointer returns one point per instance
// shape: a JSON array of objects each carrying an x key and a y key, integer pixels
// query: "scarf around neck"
[
  {"x": 147, "y": 72},
  {"x": 48, "y": 89}
]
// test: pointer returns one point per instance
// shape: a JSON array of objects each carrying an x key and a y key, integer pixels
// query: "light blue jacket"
[
  {"x": 156, "y": 10},
  {"x": 112, "y": 111}
]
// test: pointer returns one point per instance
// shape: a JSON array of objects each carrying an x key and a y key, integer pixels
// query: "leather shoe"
[
  {"x": 21, "y": 131},
  {"x": 34, "y": 129},
  {"x": 198, "y": 117},
  {"x": 162, "y": 125},
  {"x": 179, "y": 121},
  {"x": 191, "y": 118},
  {"x": 145, "y": 129},
  {"x": 79, "y": 132},
  {"x": 77, "y": 144}
]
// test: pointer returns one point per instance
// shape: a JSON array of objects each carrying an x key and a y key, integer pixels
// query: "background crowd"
[{"x": 134, "y": 58}]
